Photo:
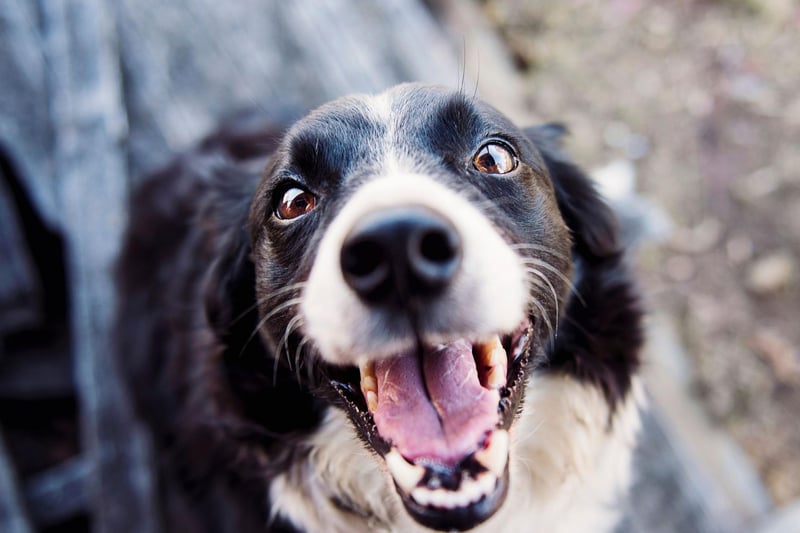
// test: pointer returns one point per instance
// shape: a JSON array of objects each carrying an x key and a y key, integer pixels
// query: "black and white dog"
[{"x": 417, "y": 317}]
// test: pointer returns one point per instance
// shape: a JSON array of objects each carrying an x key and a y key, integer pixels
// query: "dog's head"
[{"x": 412, "y": 260}]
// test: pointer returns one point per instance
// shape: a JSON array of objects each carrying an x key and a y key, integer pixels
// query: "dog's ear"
[
  {"x": 600, "y": 335},
  {"x": 229, "y": 296}
]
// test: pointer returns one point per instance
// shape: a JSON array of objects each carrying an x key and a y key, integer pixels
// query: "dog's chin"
[
  {"x": 459, "y": 517},
  {"x": 443, "y": 439}
]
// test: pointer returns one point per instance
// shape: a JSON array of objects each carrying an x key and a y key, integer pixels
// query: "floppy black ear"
[
  {"x": 229, "y": 296},
  {"x": 599, "y": 336}
]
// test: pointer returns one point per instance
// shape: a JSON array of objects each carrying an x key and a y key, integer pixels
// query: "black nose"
[{"x": 401, "y": 254}]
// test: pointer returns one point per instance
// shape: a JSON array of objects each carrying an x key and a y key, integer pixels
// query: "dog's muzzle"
[{"x": 415, "y": 287}]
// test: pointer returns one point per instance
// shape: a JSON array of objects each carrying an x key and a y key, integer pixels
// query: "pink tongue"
[{"x": 449, "y": 424}]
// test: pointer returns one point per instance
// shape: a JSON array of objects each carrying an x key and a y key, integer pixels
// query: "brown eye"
[
  {"x": 495, "y": 158},
  {"x": 295, "y": 203}
]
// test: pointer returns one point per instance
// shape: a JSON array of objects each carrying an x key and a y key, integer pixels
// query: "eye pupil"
[
  {"x": 295, "y": 202},
  {"x": 494, "y": 158}
]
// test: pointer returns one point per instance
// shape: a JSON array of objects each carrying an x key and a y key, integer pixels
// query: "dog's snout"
[{"x": 400, "y": 254}]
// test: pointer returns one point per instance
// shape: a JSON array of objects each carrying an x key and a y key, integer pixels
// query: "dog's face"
[{"x": 411, "y": 261}]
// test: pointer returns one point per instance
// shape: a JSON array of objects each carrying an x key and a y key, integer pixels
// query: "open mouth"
[{"x": 439, "y": 415}]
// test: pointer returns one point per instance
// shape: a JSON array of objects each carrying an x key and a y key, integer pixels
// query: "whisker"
[
  {"x": 278, "y": 309},
  {"x": 288, "y": 288},
  {"x": 275, "y": 360},
  {"x": 257, "y": 303},
  {"x": 293, "y": 324},
  {"x": 532, "y": 261},
  {"x": 303, "y": 341},
  {"x": 542, "y": 277},
  {"x": 288, "y": 303},
  {"x": 543, "y": 315},
  {"x": 246, "y": 312}
]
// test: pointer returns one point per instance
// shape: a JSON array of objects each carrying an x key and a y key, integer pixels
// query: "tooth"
[
  {"x": 492, "y": 352},
  {"x": 372, "y": 401},
  {"x": 405, "y": 474},
  {"x": 496, "y": 377},
  {"x": 369, "y": 385},
  {"x": 495, "y": 455},
  {"x": 421, "y": 496},
  {"x": 486, "y": 483},
  {"x": 438, "y": 498},
  {"x": 492, "y": 362},
  {"x": 498, "y": 356},
  {"x": 470, "y": 490}
]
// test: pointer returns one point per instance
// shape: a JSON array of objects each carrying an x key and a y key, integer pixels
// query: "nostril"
[
  {"x": 362, "y": 258},
  {"x": 434, "y": 255},
  {"x": 437, "y": 246},
  {"x": 365, "y": 265}
]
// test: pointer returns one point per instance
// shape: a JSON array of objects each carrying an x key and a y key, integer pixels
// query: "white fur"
[
  {"x": 569, "y": 469},
  {"x": 487, "y": 296}
]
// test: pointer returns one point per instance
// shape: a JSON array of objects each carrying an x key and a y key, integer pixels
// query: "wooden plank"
[
  {"x": 19, "y": 287},
  {"x": 12, "y": 513},
  {"x": 25, "y": 132},
  {"x": 38, "y": 372},
  {"x": 89, "y": 123},
  {"x": 59, "y": 493},
  {"x": 193, "y": 62}
]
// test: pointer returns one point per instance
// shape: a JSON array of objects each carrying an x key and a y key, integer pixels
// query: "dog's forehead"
[
  {"x": 399, "y": 118},
  {"x": 409, "y": 128}
]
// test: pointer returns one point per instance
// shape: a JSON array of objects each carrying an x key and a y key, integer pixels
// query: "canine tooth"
[
  {"x": 486, "y": 483},
  {"x": 369, "y": 384},
  {"x": 491, "y": 352},
  {"x": 372, "y": 401},
  {"x": 496, "y": 377},
  {"x": 492, "y": 362},
  {"x": 495, "y": 455},
  {"x": 367, "y": 370},
  {"x": 405, "y": 474}
]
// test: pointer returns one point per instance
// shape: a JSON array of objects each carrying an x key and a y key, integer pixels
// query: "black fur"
[{"x": 227, "y": 417}]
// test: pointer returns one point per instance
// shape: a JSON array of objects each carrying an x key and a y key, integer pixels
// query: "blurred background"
[{"x": 687, "y": 113}]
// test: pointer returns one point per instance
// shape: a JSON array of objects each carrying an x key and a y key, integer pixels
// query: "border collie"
[{"x": 403, "y": 314}]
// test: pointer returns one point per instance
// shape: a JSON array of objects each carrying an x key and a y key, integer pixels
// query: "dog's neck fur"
[{"x": 570, "y": 470}]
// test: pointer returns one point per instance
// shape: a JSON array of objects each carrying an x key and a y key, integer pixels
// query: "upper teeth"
[
  {"x": 492, "y": 363},
  {"x": 369, "y": 384}
]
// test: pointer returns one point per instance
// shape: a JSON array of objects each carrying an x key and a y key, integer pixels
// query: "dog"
[{"x": 404, "y": 313}]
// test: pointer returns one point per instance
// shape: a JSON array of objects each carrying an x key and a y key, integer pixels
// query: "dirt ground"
[{"x": 704, "y": 98}]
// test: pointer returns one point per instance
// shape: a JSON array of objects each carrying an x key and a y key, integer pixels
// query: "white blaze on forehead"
[
  {"x": 487, "y": 296},
  {"x": 380, "y": 109},
  {"x": 380, "y": 106}
]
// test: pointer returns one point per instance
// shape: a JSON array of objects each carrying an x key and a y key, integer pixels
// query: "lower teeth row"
[{"x": 408, "y": 476}]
